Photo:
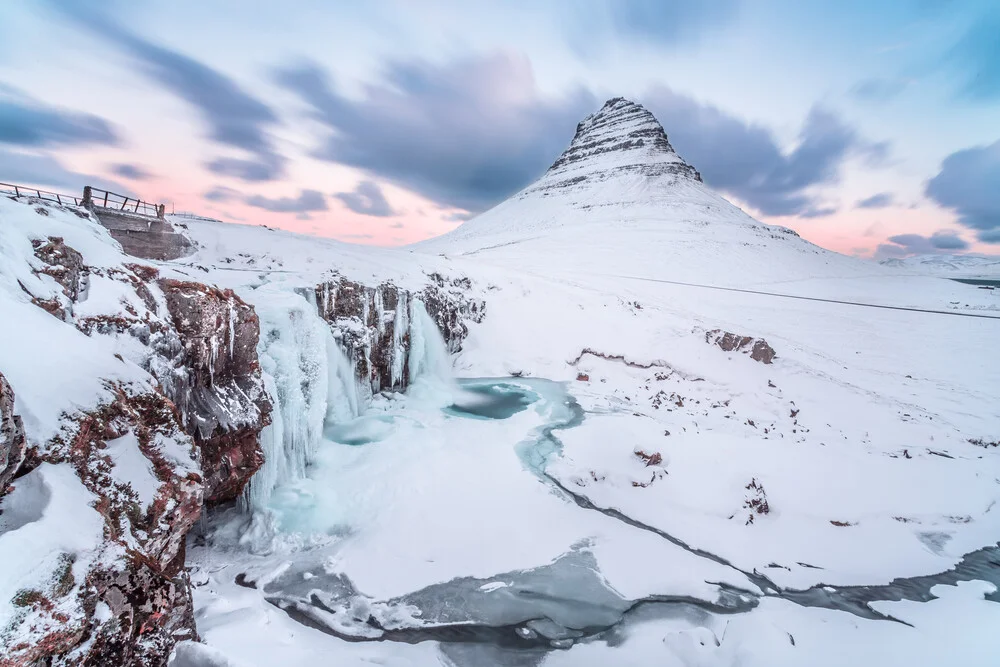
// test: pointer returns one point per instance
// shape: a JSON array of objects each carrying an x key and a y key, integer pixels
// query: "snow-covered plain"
[{"x": 587, "y": 492}]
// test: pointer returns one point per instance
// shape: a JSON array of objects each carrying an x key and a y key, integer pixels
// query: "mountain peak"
[{"x": 622, "y": 136}]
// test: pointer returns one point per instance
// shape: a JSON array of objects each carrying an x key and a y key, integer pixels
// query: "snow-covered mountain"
[
  {"x": 613, "y": 420},
  {"x": 620, "y": 182},
  {"x": 949, "y": 266}
]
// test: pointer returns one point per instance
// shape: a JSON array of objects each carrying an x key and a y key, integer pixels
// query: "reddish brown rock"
[
  {"x": 137, "y": 580},
  {"x": 221, "y": 396},
  {"x": 653, "y": 459},
  {"x": 757, "y": 348},
  {"x": 11, "y": 436}
]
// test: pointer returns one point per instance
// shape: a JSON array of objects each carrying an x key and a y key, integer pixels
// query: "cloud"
[
  {"x": 877, "y": 90},
  {"x": 222, "y": 194},
  {"x": 469, "y": 133},
  {"x": 235, "y": 118},
  {"x": 594, "y": 24},
  {"x": 465, "y": 134},
  {"x": 969, "y": 184},
  {"x": 744, "y": 159},
  {"x": 26, "y": 122},
  {"x": 367, "y": 199},
  {"x": 977, "y": 54},
  {"x": 904, "y": 245},
  {"x": 878, "y": 200},
  {"x": 131, "y": 171},
  {"x": 308, "y": 200},
  {"x": 44, "y": 171},
  {"x": 818, "y": 212}
]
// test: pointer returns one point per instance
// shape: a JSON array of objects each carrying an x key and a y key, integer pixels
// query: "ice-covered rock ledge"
[{"x": 372, "y": 324}]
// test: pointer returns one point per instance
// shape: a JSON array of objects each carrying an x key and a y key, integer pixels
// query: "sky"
[{"x": 871, "y": 128}]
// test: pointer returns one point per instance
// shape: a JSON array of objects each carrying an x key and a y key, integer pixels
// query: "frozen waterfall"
[
  {"x": 309, "y": 381},
  {"x": 429, "y": 360},
  {"x": 312, "y": 384}
]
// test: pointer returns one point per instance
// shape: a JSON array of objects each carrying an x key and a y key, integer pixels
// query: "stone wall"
[{"x": 146, "y": 237}]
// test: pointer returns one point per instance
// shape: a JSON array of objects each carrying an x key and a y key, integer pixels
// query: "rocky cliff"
[
  {"x": 125, "y": 601},
  {"x": 142, "y": 459},
  {"x": 372, "y": 323},
  {"x": 11, "y": 435},
  {"x": 219, "y": 390}
]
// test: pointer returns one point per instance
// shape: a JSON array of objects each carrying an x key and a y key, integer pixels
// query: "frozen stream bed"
[{"x": 433, "y": 520}]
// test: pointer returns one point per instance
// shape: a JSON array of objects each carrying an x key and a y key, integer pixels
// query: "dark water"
[
  {"x": 491, "y": 399},
  {"x": 978, "y": 281}
]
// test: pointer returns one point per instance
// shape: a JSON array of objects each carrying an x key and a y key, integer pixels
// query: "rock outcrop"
[
  {"x": 372, "y": 323},
  {"x": 65, "y": 265},
  {"x": 757, "y": 348},
  {"x": 219, "y": 390},
  {"x": 450, "y": 306},
  {"x": 200, "y": 343},
  {"x": 144, "y": 236},
  {"x": 128, "y": 602},
  {"x": 11, "y": 436}
]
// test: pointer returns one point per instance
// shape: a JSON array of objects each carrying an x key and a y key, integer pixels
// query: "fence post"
[{"x": 88, "y": 194}]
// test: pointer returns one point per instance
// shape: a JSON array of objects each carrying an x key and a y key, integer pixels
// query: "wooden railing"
[
  {"x": 94, "y": 197},
  {"x": 22, "y": 191}
]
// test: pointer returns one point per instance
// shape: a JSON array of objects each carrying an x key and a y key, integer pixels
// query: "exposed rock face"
[
  {"x": 221, "y": 394},
  {"x": 757, "y": 348},
  {"x": 11, "y": 435},
  {"x": 133, "y": 601},
  {"x": 451, "y": 308},
  {"x": 65, "y": 265},
  {"x": 621, "y": 136},
  {"x": 142, "y": 236},
  {"x": 372, "y": 323}
]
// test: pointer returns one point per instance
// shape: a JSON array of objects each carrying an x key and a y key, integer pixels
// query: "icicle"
[
  {"x": 379, "y": 309},
  {"x": 399, "y": 330},
  {"x": 232, "y": 327},
  {"x": 212, "y": 356}
]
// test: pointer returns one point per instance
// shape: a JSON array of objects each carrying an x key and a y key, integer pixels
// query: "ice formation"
[{"x": 313, "y": 384}]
